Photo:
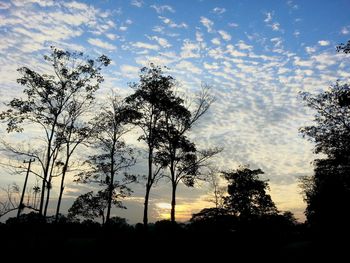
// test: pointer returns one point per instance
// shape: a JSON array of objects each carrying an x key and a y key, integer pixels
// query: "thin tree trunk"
[
  {"x": 173, "y": 202},
  {"x": 109, "y": 201},
  {"x": 61, "y": 191},
  {"x": 47, "y": 166},
  {"x": 148, "y": 187},
  {"x": 111, "y": 183},
  {"x": 20, "y": 207},
  {"x": 47, "y": 196},
  {"x": 145, "y": 208},
  {"x": 42, "y": 196}
]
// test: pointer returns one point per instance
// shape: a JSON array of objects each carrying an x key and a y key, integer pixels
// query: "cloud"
[
  {"x": 172, "y": 24},
  {"x": 188, "y": 67},
  {"x": 163, "y": 8},
  {"x": 216, "y": 41},
  {"x": 302, "y": 63},
  {"x": 76, "y": 5},
  {"x": 292, "y": 5},
  {"x": 233, "y": 25},
  {"x": 199, "y": 36},
  {"x": 4, "y": 5},
  {"x": 219, "y": 10},
  {"x": 275, "y": 26},
  {"x": 161, "y": 41},
  {"x": 310, "y": 50},
  {"x": 242, "y": 45},
  {"x": 225, "y": 36},
  {"x": 345, "y": 30},
  {"x": 268, "y": 18},
  {"x": 190, "y": 49},
  {"x": 323, "y": 43},
  {"x": 137, "y": 3},
  {"x": 207, "y": 23},
  {"x": 42, "y": 3},
  {"x": 129, "y": 71},
  {"x": 270, "y": 23},
  {"x": 213, "y": 66},
  {"x": 145, "y": 45},
  {"x": 111, "y": 36},
  {"x": 99, "y": 43}
]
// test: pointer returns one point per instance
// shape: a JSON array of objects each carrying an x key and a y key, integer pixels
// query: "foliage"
[
  {"x": 89, "y": 206},
  {"x": 149, "y": 101},
  {"x": 327, "y": 192},
  {"x": 53, "y": 102},
  {"x": 247, "y": 195},
  {"x": 344, "y": 47}
]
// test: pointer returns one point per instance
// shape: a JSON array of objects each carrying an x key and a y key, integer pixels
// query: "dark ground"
[{"x": 93, "y": 242}]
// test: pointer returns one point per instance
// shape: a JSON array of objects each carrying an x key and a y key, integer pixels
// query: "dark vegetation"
[{"x": 244, "y": 223}]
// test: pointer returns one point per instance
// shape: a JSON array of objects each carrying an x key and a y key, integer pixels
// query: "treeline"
[{"x": 60, "y": 106}]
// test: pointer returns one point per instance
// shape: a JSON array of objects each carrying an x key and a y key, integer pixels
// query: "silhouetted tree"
[
  {"x": 247, "y": 196},
  {"x": 344, "y": 47},
  {"x": 48, "y": 101},
  {"x": 177, "y": 152},
  {"x": 327, "y": 192},
  {"x": 10, "y": 200},
  {"x": 109, "y": 166},
  {"x": 217, "y": 191},
  {"x": 150, "y": 100},
  {"x": 90, "y": 206}
]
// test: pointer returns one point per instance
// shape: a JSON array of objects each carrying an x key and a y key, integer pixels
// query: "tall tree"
[
  {"x": 150, "y": 100},
  {"x": 247, "y": 195},
  {"x": 177, "y": 152},
  {"x": 109, "y": 166},
  {"x": 327, "y": 191},
  {"x": 47, "y": 98}
]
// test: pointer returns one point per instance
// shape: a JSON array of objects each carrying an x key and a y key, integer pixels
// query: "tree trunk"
[
  {"x": 20, "y": 207},
  {"x": 47, "y": 167},
  {"x": 42, "y": 196},
  {"x": 109, "y": 204},
  {"x": 47, "y": 196},
  {"x": 111, "y": 183},
  {"x": 173, "y": 202},
  {"x": 145, "y": 208},
  {"x": 61, "y": 192},
  {"x": 148, "y": 187}
]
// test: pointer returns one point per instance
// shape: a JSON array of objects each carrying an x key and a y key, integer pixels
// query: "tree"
[
  {"x": 114, "y": 156},
  {"x": 48, "y": 102},
  {"x": 177, "y": 152},
  {"x": 247, "y": 195},
  {"x": 217, "y": 191},
  {"x": 327, "y": 192},
  {"x": 11, "y": 200},
  {"x": 344, "y": 47},
  {"x": 150, "y": 100},
  {"x": 89, "y": 206}
]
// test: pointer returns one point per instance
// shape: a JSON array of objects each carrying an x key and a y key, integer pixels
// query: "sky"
[{"x": 256, "y": 56}]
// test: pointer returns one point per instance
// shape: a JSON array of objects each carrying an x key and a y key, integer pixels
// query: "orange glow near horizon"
[{"x": 183, "y": 211}]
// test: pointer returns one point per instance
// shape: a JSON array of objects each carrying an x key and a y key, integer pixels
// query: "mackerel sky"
[{"x": 256, "y": 55}]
